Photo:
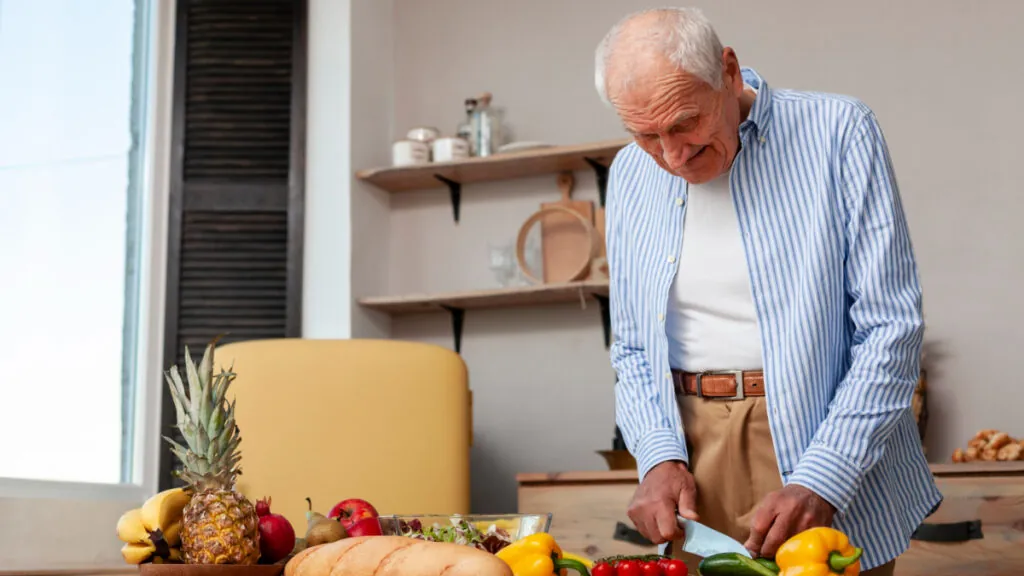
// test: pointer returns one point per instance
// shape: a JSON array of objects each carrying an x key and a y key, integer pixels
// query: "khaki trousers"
[{"x": 732, "y": 460}]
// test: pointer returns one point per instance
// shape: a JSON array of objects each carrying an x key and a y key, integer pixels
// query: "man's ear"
[{"x": 731, "y": 73}]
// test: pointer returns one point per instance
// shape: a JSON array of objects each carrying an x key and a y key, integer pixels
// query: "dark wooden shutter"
[{"x": 236, "y": 205}]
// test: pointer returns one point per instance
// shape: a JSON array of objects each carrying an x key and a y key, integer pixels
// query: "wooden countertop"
[
  {"x": 625, "y": 476},
  {"x": 576, "y": 477}
]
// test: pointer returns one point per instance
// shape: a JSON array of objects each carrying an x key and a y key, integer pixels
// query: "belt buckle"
[{"x": 738, "y": 374}]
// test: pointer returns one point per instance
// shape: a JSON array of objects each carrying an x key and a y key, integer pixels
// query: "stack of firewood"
[{"x": 991, "y": 446}]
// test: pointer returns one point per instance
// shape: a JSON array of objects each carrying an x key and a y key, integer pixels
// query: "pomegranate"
[{"x": 277, "y": 537}]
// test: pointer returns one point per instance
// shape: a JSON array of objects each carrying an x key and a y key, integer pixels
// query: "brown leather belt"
[{"x": 720, "y": 384}]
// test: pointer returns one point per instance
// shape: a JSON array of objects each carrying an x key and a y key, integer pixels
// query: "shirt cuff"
[
  {"x": 829, "y": 475},
  {"x": 657, "y": 446}
]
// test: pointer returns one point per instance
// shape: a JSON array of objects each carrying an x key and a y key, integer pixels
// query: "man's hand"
[
  {"x": 783, "y": 514},
  {"x": 668, "y": 487}
]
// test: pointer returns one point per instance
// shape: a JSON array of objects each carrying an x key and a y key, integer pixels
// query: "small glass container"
[{"x": 503, "y": 263}]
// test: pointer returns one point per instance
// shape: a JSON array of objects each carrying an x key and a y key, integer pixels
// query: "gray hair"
[{"x": 683, "y": 35}]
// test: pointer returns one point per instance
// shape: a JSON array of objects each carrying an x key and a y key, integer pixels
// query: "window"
[
  {"x": 85, "y": 89},
  {"x": 76, "y": 223}
]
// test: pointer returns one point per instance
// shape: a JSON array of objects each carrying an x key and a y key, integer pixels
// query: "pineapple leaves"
[
  {"x": 206, "y": 364},
  {"x": 179, "y": 451},
  {"x": 177, "y": 392},
  {"x": 195, "y": 393},
  {"x": 188, "y": 431},
  {"x": 202, "y": 440},
  {"x": 216, "y": 424},
  {"x": 206, "y": 420},
  {"x": 232, "y": 445}
]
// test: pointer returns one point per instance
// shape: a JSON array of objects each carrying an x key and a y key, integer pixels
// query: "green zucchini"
[{"x": 733, "y": 564}]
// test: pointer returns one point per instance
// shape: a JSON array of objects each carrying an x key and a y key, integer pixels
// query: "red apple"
[
  {"x": 352, "y": 510},
  {"x": 365, "y": 527},
  {"x": 277, "y": 537}
]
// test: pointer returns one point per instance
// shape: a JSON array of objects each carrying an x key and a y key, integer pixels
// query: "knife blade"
[{"x": 704, "y": 541}]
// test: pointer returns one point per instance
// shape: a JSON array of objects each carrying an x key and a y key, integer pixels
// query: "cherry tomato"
[
  {"x": 602, "y": 569},
  {"x": 628, "y": 568},
  {"x": 651, "y": 568},
  {"x": 675, "y": 567},
  {"x": 664, "y": 562}
]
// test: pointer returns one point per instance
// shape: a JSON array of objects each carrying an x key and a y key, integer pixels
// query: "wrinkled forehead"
[
  {"x": 639, "y": 78},
  {"x": 655, "y": 102}
]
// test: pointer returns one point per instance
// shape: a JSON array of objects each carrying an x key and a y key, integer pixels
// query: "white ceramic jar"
[
  {"x": 449, "y": 149},
  {"x": 409, "y": 152}
]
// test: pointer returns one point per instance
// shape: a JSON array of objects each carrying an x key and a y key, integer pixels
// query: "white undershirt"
[{"x": 711, "y": 321}]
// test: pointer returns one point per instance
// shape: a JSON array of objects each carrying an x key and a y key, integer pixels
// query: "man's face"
[{"x": 689, "y": 128}]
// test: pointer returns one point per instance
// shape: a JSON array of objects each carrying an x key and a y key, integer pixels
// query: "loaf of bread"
[{"x": 394, "y": 556}]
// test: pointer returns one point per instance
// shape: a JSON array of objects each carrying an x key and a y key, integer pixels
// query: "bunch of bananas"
[{"x": 152, "y": 533}]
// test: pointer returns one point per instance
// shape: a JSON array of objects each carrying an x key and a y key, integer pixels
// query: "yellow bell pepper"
[
  {"x": 818, "y": 552},
  {"x": 538, "y": 555},
  {"x": 570, "y": 556}
]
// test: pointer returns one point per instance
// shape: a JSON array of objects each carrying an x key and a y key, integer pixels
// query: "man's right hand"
[{"x": 668, "y": 487}]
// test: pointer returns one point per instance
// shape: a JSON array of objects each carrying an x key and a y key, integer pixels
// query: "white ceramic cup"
[
  {"x": 450, "y": 148},
  {"x": 409, "y": 152}
]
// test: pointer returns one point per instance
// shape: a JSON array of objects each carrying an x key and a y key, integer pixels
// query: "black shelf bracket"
[
  {"x": 458, "y": 315},
  {"x": 601, "y": 172},
  {"x": 455, "y": 191},
  {"x": 606, "y": 319}
]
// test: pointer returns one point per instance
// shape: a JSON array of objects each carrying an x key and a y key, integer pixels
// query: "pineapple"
[{"x": 220, "y": 525}]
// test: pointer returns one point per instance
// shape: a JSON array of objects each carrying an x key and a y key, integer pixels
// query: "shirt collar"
[{"x": 759, "y": 118}]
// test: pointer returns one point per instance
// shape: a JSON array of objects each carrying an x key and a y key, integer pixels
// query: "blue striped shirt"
[{"x": 838, "y": 302}]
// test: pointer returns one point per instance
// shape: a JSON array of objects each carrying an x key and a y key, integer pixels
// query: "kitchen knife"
[{"x": 704, "y": 541}]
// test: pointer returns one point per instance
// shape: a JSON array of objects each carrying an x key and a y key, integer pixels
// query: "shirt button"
[
  {"x": 668, "y": 375},
  {"x": 763, "y": 139},
  {"x": 679, "y": 201},
  {"x": 661, "y": 317},
  {"x": 671, "y": 259}
]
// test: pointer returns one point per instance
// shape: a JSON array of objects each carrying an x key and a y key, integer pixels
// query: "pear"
[{"x": 320, "y": 529}]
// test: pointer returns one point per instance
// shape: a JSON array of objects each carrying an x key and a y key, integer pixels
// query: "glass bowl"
[{"x": 490, "y": 532}]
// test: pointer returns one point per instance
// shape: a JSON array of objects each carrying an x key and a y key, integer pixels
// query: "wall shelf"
[
  {"x": 505, "y": 166},
  {"x": 456, "y": 303}
]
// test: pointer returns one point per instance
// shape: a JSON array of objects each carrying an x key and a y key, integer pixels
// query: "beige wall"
[
  {"x": 372, "y": 96},
  {"x": 941, "y": 76}
]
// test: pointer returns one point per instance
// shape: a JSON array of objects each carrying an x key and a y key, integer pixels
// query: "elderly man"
[{"x": 765, "y": 301}]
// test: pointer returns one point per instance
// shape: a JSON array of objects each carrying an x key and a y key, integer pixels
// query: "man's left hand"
[{"x": 783, "y": 514}]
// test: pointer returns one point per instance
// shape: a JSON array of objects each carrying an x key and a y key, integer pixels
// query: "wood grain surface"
[{"x": 587, "y": 505}]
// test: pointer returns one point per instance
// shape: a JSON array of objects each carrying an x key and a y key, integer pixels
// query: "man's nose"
[{"x": 675, "y": 151}]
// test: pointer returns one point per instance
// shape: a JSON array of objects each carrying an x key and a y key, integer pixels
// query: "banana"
[
  {"x": 137, "y": 553},
  {"x": 153, "y": 532},
  {"x": 164, "y": 508},
  {"x": 130, "y": 529},
  {"x": 172, "y": 534},
  {"x": 175, "y": 557}
]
